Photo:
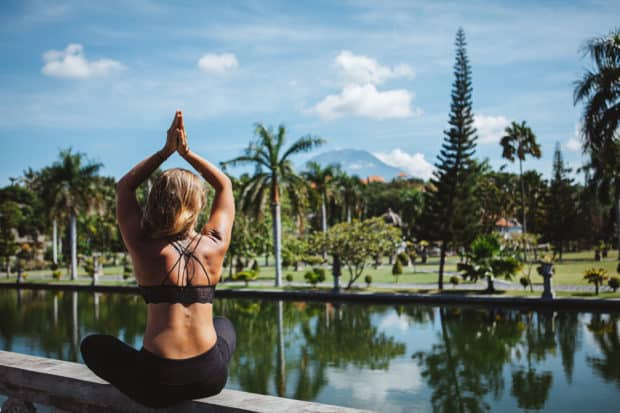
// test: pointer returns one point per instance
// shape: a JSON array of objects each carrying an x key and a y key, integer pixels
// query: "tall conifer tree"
[
  {"x": 451, "y": 210},
  {"x": 561, "y": 205}
]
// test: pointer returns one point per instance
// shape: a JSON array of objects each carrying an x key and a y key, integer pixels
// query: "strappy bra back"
[{"x": 182, "y": 291}]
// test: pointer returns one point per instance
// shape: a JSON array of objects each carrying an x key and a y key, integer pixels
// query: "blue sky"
[{"x": 106, "y": 77}]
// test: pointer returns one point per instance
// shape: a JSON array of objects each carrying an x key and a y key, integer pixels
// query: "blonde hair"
[{"x": 173, "y": 205}]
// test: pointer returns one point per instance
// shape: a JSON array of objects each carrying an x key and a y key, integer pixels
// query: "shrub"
[
  {"x": 89, "y": 266},
  {"x": 53, "y": 266},
  {"x": 596, "y": 276},
  {"x": 127, "y": 271},
  {"x": 245, "y": 276},
  {"x": 524, "y": 282},
  {"x": 455, "y": 280},
  {"x": 315, "y": 276},
  {"x": 289, "y": 278},
  {"x": 56, "y": 274},
  {"x": 397, "y": 268},
  {"x": 368, "y": 280},
  {"x": 403, "y": 258},
  {"x": 614, "y": 283},
  {"x": 322, "y": 273}
]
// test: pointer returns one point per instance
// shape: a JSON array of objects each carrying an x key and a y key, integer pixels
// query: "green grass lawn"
[{"x": 569, "y": 271}]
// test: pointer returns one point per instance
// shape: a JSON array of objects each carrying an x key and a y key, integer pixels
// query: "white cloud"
[
  {"x": 414, "y": 165},
  {"x": 218, "y": 63},
  {"x": 574, "y": 143},
  {"x": 366, "y": 101},
  {"x": 361, "y": 69},
  {"x": 71, "y": 63},
  {"x": 490, "y": 128},
  {"x": 378, "y": 388}
]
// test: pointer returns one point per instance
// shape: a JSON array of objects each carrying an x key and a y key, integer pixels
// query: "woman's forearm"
[
  {"x": 216, "y": 178},
  {"x": 144, "y": 169}
]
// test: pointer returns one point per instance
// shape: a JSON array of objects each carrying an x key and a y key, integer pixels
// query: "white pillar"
[
  {"x": 277, "y": 241},
  {"x": 73, "y": 236},
  {"x": 55, "y": 241}
]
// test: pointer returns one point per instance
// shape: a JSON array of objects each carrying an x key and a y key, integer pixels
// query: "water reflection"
[
  {"x": 444, "y": 359},
  {"x": 605, "y": 332}
]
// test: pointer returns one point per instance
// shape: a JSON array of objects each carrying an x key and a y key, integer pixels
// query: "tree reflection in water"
[
  {"x": 606, "y": 337},
  {"x": 530, "y": 387},
  {"x": 466, "y": 363},
  {"x": 315, "y": 336}
]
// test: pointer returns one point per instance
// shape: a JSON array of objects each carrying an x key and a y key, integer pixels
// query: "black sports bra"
[{"x": 183, "y": 291}]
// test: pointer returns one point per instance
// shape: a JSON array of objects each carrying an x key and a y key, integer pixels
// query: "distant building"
[
  {"x": 508, "y": 226},
  {"x": 373, "y": 178}
]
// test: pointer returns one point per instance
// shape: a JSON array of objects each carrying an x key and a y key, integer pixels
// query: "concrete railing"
[{"x": 72, "y": 387}]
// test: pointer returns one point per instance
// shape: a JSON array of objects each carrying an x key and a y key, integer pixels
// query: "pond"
[{"x": 387, "y": 358}]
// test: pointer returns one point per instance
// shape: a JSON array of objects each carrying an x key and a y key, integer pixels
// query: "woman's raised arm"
[
  {"x": 128, "y": 212},
  {"x": 219, "y": 226}
]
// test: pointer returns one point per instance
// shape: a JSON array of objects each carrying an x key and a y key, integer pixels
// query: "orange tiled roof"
[{"x": 373, "y": 178}]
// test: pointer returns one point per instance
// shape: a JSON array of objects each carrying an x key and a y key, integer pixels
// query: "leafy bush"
[
  {"x": 403, "y": 258},
  {"x": 315, "y": 276},
  {"x": 289, "y": 278},
  {"x": 245, "y": 276},
  {"x": 455, "y": 280},
  {"x": 368, "y": 280},
  {"x": 322, "y": 273},
  {"x": 614, "y": 283},
  {"x": 127, "y": 271},
  {"x": 524, "y": 282},
  {"x": 596, "y": 276},
  {"x": 56, "y": 274},
  {"x": 53, "y": 266},
  {"x": 397, "y": 268},
  {"x": 89, "y": 266}
]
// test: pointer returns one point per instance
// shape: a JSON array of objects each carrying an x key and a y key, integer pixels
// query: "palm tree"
[
  {"x": 274, "y": 172},
  {"x": 598, "y": 90},
  {"x": 68, "y": 186},
  {"x": 321, "y": 183},
  {"x": 351, "y": 189},
  {"x": 520, "y": 141}
]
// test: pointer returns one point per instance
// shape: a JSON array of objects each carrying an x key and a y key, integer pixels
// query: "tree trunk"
[
  {"x": 73, "y": 236},
  {"x": 336, "y": 272},
  {"x": 55, "y": 241},
  {"x": 490, "y": 285},
  {"x": 618, "y": 223},
  {"x": 266, "y": 260},
  {"x": 523, "y": 216},
  {"x": 277, "y": 235},
  {"x": 596, "y": 288},
  {"x": 323, "y": 215},
  {"x": 442, "y": 262},
  {"x": 348, "y": 214}
]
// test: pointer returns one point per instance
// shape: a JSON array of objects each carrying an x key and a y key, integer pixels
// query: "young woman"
[{"x": 186, "y": 350}]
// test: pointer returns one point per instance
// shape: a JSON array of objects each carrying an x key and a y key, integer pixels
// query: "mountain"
[{"x": 356, "y": 162}]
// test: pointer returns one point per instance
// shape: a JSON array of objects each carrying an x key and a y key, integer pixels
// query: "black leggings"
[{"x": 156, "y": 381}]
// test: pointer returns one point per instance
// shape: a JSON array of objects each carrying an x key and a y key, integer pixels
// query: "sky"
[{"x": 105, "y": 78}]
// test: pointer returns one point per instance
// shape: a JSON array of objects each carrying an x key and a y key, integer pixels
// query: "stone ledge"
[
  {"x": 68, "y": 386},
  {"x": 567, "y": 303}
]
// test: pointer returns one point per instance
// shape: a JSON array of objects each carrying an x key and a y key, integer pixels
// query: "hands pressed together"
[{"x": 176, "y": 139}]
